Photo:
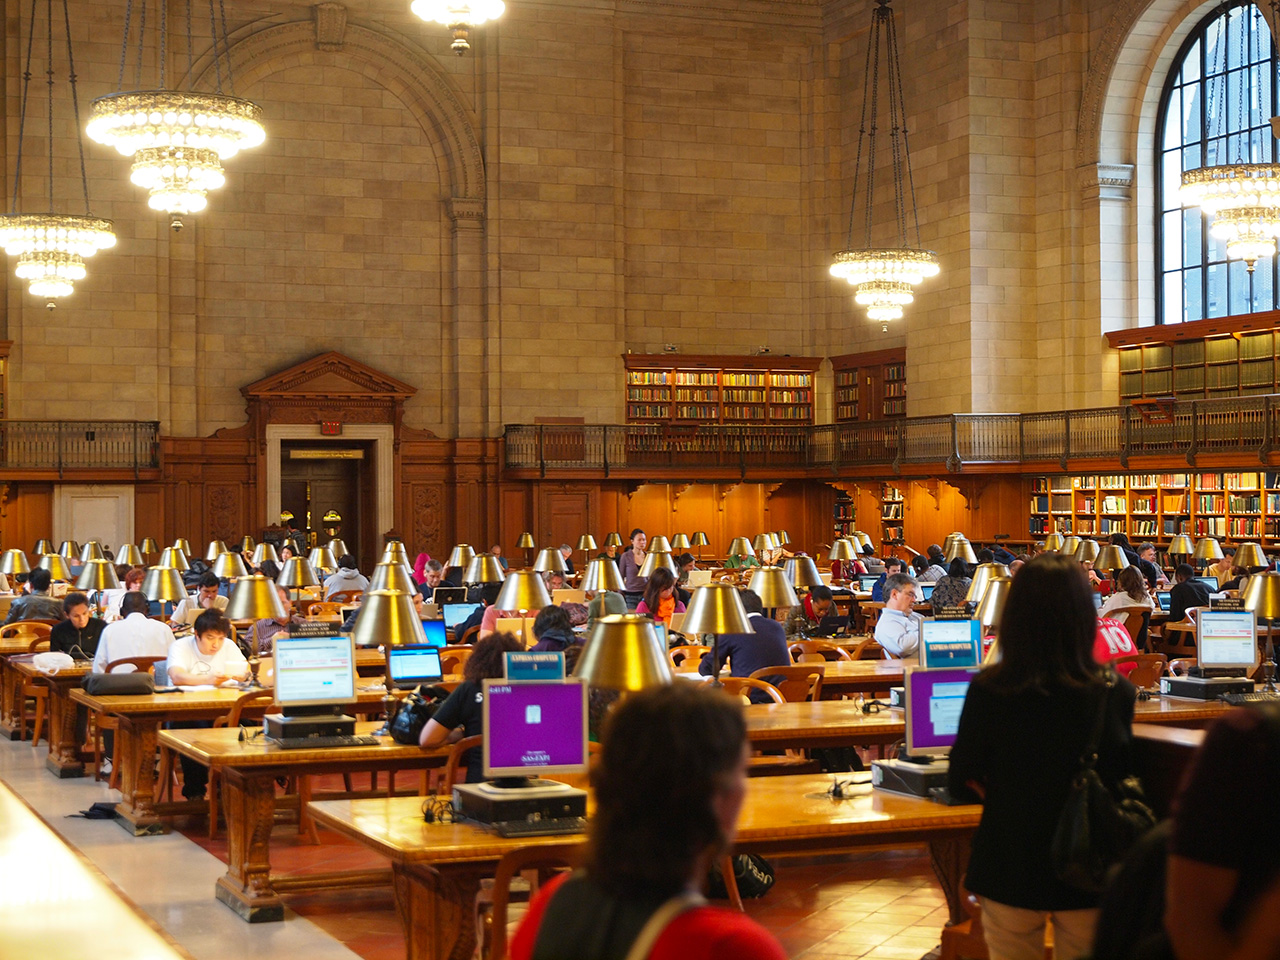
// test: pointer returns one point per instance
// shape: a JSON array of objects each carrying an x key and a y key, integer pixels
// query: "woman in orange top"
[{"x": 659, "y": 597}]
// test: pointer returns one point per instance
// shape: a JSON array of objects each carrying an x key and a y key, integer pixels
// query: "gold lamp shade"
[
  {"x": 1053, "y": 541},
  {"x": 129, "y": 555},
  {"x": 699, "y": 539},
  {"x": 1070, "y": 544},
  {"x": 14, "y": 561},
  {"x": 842, "y": 549},
  {"x": 961, "y": 549},
  {"x": 98, "y": 575},
  {"x": 149, "y": 546},
  {"x": 229, "y": 566},
  {"x": 741, "y": 547},
  {"x": 264, "y": 552},
  {"x": 773, "y": 588},
  {"x": 322, "y": 558},
  {"x": 1208, "y": 549},
  {"x": 396, "y": 553},
  {"x": 680, "y": 542},
  {"x": 255, "y": 598},
  {"x": 985, "y": 573},
  {"x": 174, "y": 557},
  {"x": 387, "y": 617},
  {"x": 1087, "y": 551},
  {"x": 460, "y": 555},
  {"x": 586, "y": 542},
  {"x": 549, "y": 559},
  {"x": 1181, "y": 546},
  {"x": 655, "y": 559},
  {"x": 659, "y": 544},
  {"x": 716, "y": 608},
  {"x": 296, "y": 573},
  {"x": 69, "y": 549},
  {"x": 91, "y": 551},
  {"x": 57, "y": 566},
  {"x": 764, "y": 541},
  {"x": 247, "y": 544},
  {"x": 338, "y": 547},
  {"x": 1250, "y": 557},
  {"x": 484, "y": 568},
  {"x": 215, "y": 549},
  {"x": 526, "y": 541},
  {"x": 389, "y": 575},
  {"x": 164, "y": 584},
  {"x": 991, "y": 606},
  {"x": 624, "y": 653},
  {"x": 182, "y": 544},
  {"x": 803, "y": 572},
  {"x": 43, "y": 547},
  {"x": 863, "y": 539},
  {"x": 1110, "y": 558},
  {"x": 523, "y": 590},
  {"x": 782, "y": 537},
  {"x": 602, "y": 575},
  {"x": 1262, "y": 595}
]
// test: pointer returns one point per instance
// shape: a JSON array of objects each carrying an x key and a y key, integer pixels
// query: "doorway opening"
[{"x": 331, "y": 490}]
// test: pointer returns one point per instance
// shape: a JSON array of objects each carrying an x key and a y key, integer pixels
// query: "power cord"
[
  {"x": 843, "y": 789},
  {"x": 437, "y": 809}
]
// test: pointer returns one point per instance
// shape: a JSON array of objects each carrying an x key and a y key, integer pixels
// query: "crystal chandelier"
[
  {"x": 459, "y": 16},
  {"x": 51, "y": 247},
  {"x": 884, "y": 276},
  {"x": 178, "y": 139},
  {"x": 1242, "y": 197}
]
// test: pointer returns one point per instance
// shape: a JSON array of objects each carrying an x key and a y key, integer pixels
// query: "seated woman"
[
  {"x": 950, "y": 590},
  {"x": 659, "y": 597},
  {"x": 644, "y": 866},
  {"x": 553, "y": 630},
  {"x": 1131, "y": 591}
]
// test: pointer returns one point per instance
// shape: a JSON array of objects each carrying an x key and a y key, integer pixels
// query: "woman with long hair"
[
  {"x": 660, "y": 601},
  {"x": 1131, "y": 591},
  {"x": 951, "y": 590},
  {"x": 1026, "y": 723},
  {"x": 631, "y": 562}
]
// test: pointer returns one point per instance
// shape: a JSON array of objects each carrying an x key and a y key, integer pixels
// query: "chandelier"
[
  {"x": 884, "y": 277},
  {"x": 178, "y": 140},
  {"x": 459, "y": 16},
  {"x": 1242, "y": 198},
  {"x": 51, "y": 247}
]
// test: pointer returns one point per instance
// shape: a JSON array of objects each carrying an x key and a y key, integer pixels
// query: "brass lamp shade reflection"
[
  {"x": 1070, "y": 545},
  {"x": 264, "y": 552},
  {"x": 716, "y": 608},
  {"x": 659, "y": 544},
  {"x": 1250, "y": 557},
  {"x": 624, "y": 653},
  {"x": 247, "y": 544},
  {"x": 773, "y": 588},
  {"x": 549, "y": 559},
  {"x": 803, "y": 572},
  {"x": 1181, "y": 546},
  {"x": 602, "y": 575},
  {"x": 43, "y": 547},
  {"x": 1262, "y": 595},
  {"x": 215, "y": 549},
  {"x": 69, "y": 549},
  {"x": 14, "y": 561},
  {"x": 130, "y": 555},
  {"x": 1087, "y": 551},
  {"x": 863, "y": 539},
  {"x": 174, "y": 557},
  {"x": 164, "y": 584},
  {"x": 396, "y": 553},
  {"x": 484, "y": 568},
  {"x": 389, "y": 575},
  {"x": 296, "y": 573},
  {"x": 98, "y": 575},
  {"x": 991, "y": 606},
  {"x": 1053, "y": 541},
  {"x": 700, "y": 539},
  {"x": 149, "y": 546},
  {"x": 183, "y": 545},
  {"x": 741, "y": 547},
  {"x": 91, "y": 551},
  {"x": 322, "y": 558},
  {"x": 586, "y": 542},
  {"x": 460, "y": 555},
  {"x": 680, "y": 542},
  {"x": 338, "y": 547},
  {"x": 985, "y": 573},
  {"x": 1110, "y": 558},
  {"x": 387, "y": 617},
  {"x": 526, "y": 541},
  {"x": 1208, "y": 549},
  {"x": 961, "y": 549},
  {"x": 654, "y": 559},
  {"x": 57, "y": 566},
  {"x": 782, "y": 537},
  {"x": 254, "y": 598},
  {"x": 841, "y": 550},
  {"x": 523, "y": 590},
  {"x": 229, "y": 566}
]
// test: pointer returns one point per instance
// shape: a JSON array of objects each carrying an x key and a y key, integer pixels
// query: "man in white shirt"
[
  {"x": 134, "y": 636},
  {"x": 898, "y": 629},
  {"x": 206, "y": 598}
]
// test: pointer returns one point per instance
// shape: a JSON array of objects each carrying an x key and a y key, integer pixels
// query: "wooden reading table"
[
  {"x": 11, "y": 688},
  {"x": 63, "y": 732}
]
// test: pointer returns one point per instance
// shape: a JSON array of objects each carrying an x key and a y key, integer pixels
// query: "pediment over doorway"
[{"x": 329, "y": 375}]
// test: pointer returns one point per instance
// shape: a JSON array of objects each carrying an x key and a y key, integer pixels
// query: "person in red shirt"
[
  {"x": 645, "y": 866},
  {"x": 1112, "y": 643}
]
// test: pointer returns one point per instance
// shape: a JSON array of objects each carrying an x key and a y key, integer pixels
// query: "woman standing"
[
  {"x": 1041, "y": 701},
  {"x": 630, "y": 564}
]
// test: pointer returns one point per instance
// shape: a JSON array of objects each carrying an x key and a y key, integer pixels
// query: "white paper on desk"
[{"x": 198, "y": 686}]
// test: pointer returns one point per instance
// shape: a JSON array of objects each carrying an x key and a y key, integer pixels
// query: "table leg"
[
  {"x": 136, "y": 740},
  {"x": 249, "y": 805},
  {"x": 64, "y": 734},
  {"x": 10, "y": 701},
  {"x": 949, "y": 858},
  {"x": 436, "y": 907}
]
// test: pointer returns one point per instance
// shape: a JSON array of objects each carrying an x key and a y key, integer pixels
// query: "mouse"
[{"x": 1144, "y": 694}]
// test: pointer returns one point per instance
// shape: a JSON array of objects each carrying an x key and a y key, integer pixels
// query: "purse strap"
[
  {"x": 654, "y": 926},
  {"x": 1095, "y": 738}
]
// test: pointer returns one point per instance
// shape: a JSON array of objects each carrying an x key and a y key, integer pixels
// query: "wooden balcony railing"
[{"x": 79, "y": 445}]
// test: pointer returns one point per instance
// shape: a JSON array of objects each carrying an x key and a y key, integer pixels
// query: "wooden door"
[{"x": 563, "y": 517}]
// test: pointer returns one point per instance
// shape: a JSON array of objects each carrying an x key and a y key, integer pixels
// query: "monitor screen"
[
  {"x": 1162, "y": 598},
  {"x": 533, "y": 728},
  {"x": 413, "y": 664},
  {"x": 934, "y": 699},
  {"x": 1210, "y": 582},
  {"x": 950, "y": 643},
  {"x": 1227, "y": 639},
  {"x": 926, "y": 591},
  {"x": 868, "y": 581},
  {"x": 1097, "y": 601},
  {"x": 455, "y": 613},
  {"x": 436, "y": 633},
  {"x": 661, "y": 630},
  {"x": 314, "y": 671}
]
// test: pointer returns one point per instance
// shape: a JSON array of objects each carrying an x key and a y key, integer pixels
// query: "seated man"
[
  {"x": 898, "y": 629},
  {"x": 206, "y": 598},
  {"x": 432, "y": 577},
  {"x": 77, "y": 635},
  {"x": 1186, "y": 593},
  {"x": 263, "y": 631},
  {"x": 808, "y": 613},
  {"x": 739, "y": 560},
  {"x": 36, "y": 605},
  {"x": 131, "y": 581},
  {"x": 346, "y": 577},
  {"x": 892, "y": 565},
  {"x": 748, "y": 652},
  {"x": 136, "y": 635}
]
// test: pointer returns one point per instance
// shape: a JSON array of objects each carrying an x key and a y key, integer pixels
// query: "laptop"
[
  {"x": 829, "y": 626},
  {"x": 698, "y": 578},
  {"x": 1210, "y": 582},
  {"x": 456, "y": 613},
  {"x": 926, "y": 592},
  {"x": 431, "y": 611},
  {"x": 1162, "y": 598},
  {"x": 437, "y": 634},
  {"x": 412, "y": 665},
  {"x": 449, "y": 595},
  {"x": 867, "y": 581}
]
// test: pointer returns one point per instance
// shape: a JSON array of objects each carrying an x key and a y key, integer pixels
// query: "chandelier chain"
[
  {"x": 217, "y": 54},
  {"x": 48, "y": 72},
  {"x": 857, "y": 162},
  {"x": 142, "y": 33},
  {"x": 1246, "y": 87},
  {"x": 191, "y": 47},
  {"x": 22, "y": 118},
  {"x": 75, "y": 106},
  {"x": 897, "y": 126},
  {"x": 871, "y": 136},
  {"x": 226, "y": 49},
  {"x": 164, "y": 44},
  {"x": 124, "y": 47},
  {"x": 906, "y": 139}
]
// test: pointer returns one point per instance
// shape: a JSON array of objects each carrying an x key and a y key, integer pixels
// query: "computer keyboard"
[
  {"x": 299, "y": 743},
  {"x": 1258, "y": 696},
  {"x": 541, "y": 828}
]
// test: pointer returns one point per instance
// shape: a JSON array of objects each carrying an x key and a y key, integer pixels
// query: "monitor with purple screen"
[
  {"x": 534, "y": 728},
  {"x": 934, "y": 699}
]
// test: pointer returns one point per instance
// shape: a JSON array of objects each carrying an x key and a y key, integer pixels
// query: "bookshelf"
[
  {"x": 675, "y": 388},
  {"x": 846, "y": 515},
  {"x": 870, "y": 386},
  {"x": 891, "y": 510}
]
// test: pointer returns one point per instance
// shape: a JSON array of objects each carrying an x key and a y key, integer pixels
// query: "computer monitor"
[
  {"x": 867, "y": 581},
  {"x": 314, "y": 674},
  {"x": 1210, "y": 582},
  {"x": 437, "y": 633},
  {"x": 934, "y": 698},
  {"x": 413, "y": 664},
  {"x": 1097, "y": 600},
  {"x": 950, "y": 643},
  {"x": 1163, "y": 598},
  {"x": 661, "y": 630},
  {"x": 445, "y": 595},
  {"x": 455, "y": 613},
  {"x": 926, "y": 591},
  {"x": 1227, "y": 640},
  {"x": 534, "y": 728}
]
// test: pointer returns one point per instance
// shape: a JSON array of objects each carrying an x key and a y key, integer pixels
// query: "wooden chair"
[
  {"x": 469, "y": 637},
  {"x": 1150, "y": 667},
  {"x": 27, "y": 630},
  {"x": 455, "y": 760},
  {"x": 741, "y": 686},
  {"x": 230, "y": 719},
  {"x": 1181, "y": 667},
  {"x": 800, "y": 682},
  {"x": 452, "y": 659},
  {"x": 871, "y": 610},
  {"x": 1135, "y": 619},
  {"x": 324, "y": 608},
  {"x": 346, "y": 596},
  {"x": 867, "y": 649},
  {"x": 146, "y": 665},
  {"x": 38, "y": 696},
  {"x": 690, "y": 656},
  {"x": 542, "y": 857},
  {"x": 822, "y": 649}
]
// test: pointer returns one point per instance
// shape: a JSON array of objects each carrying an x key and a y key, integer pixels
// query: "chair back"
[
  {"x": 345, "y": 596},
  {"x": 1134, "y": 618},
  {"x": 825, "y": 649},
  {"x": 38, "y": 644},
  {"x": 741, "y": 686},
  {"x": 690, "y": 656},
  {"x": 542, "y": 857},
  {"x": 143, "y": 664},
  {"x": 1148, "y": 669},
  {"x": 232, "y": 717},
  {"x": 452, "y": 659},
  {"x": 799, "y": 682},
  {"x": 454, "y": 760},
  {"x": 867, "y": 649},
  {"x": 325, "y": 608},
  {"x": 26, "y": 630}
]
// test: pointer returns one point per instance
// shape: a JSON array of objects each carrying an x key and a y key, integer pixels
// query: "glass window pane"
[
  {"x": 1190, "y": 100},
  {"x": 1171, "y": 180},
  {"x": 1191, "y": 156},
  {"x": 1191, "y": 65},
  {"x": 1172, "y": 305},
  {"x": 1237, "y": 288},
  {"x": 1264, "y": 295},
  {"x": 1171, "y": 235},
  {"x": 1192, "y": 233},
  {"x": 1217, "y": 250},
  {"x": 1173, "y": 132},
  {"x": 1193, "y": 291},
  {"x": 1216, "y": 274},
  {"x": 1259, "y": 37},
  {"x": 1235, "y": 29}
]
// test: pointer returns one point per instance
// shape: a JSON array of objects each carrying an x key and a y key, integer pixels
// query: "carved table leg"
[
  {"x": 10, "y": 701},
  {"x": 949, "y": 859},
  {"x": 64, "y": 734},
  {"x": 436, "y": 907},
  {"x": 136, "y": 739},
  {"x": 249, "y": 805}
]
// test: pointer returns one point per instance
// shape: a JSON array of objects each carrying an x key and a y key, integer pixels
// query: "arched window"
[{"x": 1194, "y": 279}]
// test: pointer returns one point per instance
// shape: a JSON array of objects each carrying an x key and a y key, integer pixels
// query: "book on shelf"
[
  {"x": 891, "y": 511},
  {"x": 1208, "y": 481},
  {"x": 1086, "y": 504},
  {"x": 1113, "y": 504},
  {"x": 1111, "y": 483},
  {"x": 1060, "y": 502},
  {"x": 1040, "y": 485},
  {"x": 1040, "y": 504},
  {"x": 1174, "y": 502},
  {"x": 1244, "y": 504},
  {"x": 1240, "y": 481},
  {"x": 1084, "y": 483}
]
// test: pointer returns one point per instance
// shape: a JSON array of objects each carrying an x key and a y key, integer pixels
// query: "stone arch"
[{"x": 408, "y": 73}]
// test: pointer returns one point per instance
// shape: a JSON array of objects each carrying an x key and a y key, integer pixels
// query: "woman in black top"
[
  {"x": 1025, "y": 724},
  {"x": 951, "y": 590},
  {"x": 462, "y": 714}
]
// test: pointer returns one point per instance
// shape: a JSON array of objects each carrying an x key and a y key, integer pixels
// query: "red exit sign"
[{"x": 330, "y": 428}]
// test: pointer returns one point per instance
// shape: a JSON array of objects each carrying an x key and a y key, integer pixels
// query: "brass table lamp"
[
  {"x": 215, "y": 549},
  {"x": 991, "y": 603},
  {"x": 716, "y": 609},
  {"x": 1207, "y": 549},
  {"x": 296, "y": 574},
  {"x": 338, "y": 547},
  {"x": 659, "y": 544},
  {"x": 387, "y": 619},
  {"x": 961, "y": 549},
  {"x": 1250, "y": 557},
  {"x": 14, "y": 561},
  {"x": 700, "y": 540},
  {"x": 624, "y": 653},
  {"x": 774, "y": 589},
  {"x": 782, "y": 537},
  {"x": 1110, "y": 559},
  {"x": 1087, "y": 551},
  {"x": 1262, "y": 596},
  {"x": 247, "y": 545},
  {"x": 680, "y": 542},
  {"x": 802, "y": 572},
  {"x": 164, "y": 584},
  {"x": 1053, "y": 542},
  {"x": 148, "y": 546},
  {"x": 97, "y": 576},
  {"x": 741, "y": 547},
  {"x": 43, "y": 547},
  {"x": 549, "y": 560},
  {"x": 174, "y": 557},
  {"x": 655, "y": 559},
  {"x": 57, "y": 566},
  {"x": 264, "y": 552},
  {"x": 527, "y": 544},
  {"x": 322, "y": 559},
  {"x": 586, "y": 543},
  {"x": 229, "y": 566},
  {"x": 395, "y": 551},
  {"x": 602, "y": 575},
  {"x": 69, "y": 550},
  {"x": 981, "y": 577},
  {"x": 1070, "y": 544},
  {"x": 1181, "y": 546},
  {"x": 461, "y": 555},
  {"x": 254, "y": 598},
  {"x": 183, "y": 545},
  {"x": 484, "y": 568},
  {"x": 91, "y": 551},
  {"x": 389, "y": 575},
  {"x": 522, "y": 592},
  {"x": 129, "y": 555}
]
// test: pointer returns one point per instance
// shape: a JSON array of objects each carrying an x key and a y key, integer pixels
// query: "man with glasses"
[{"x": 898, "y": 629}]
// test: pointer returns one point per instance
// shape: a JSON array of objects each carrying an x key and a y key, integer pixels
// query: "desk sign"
[
  {"x": 1228, "y": 603},
  {"x": 543, "y": 665},
  {"x": 957, "y": 612}
]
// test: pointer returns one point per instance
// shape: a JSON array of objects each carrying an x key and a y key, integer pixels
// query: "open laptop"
[
  {"x": 1210, "y": 582},
  {"x": 867, "y": 581},
  {"x": 413, "y": 664},
  {"x": 926, "y": 592},
  {"x": 449, "y": 595},
  {"x": 1162, "y": 598},
  {"x": 698, "y": 578}
]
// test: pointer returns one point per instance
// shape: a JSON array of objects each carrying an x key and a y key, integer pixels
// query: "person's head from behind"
[
  {"x": 346, "y": 562},
  {"x": 552, "y": 619},
  {"x": 919, "y": 564},
  {"x": 751, "y": 601},
  {"x": 820, "y": 601},
  {"x": 487, "y": 660},
  {"x": 958, "y": 569},
  {"x": 868, "y": 550},
  {"x": 986, "y": 555},
  {"x": 935, "y": 554},
  {"x": 39, "y": 580},
  {"x": 135, "y": 602},
  {"x": 637, "y": 847},
  {"x": 1183, "y": 572},
  {"x": 1048, "y": 627},
  {"x": 76, "y": 607},
  {"x": 489, "y": 593},
  {"x": 269, "y": 569},
  {"x": 1132, "y": 582},
  {"x": 892, "y": 565}
]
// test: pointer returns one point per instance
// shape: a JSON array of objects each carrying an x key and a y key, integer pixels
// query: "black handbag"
[
  {"x": 118, "y": 684},
  {"x": 1097, "y": 825},
  {"x": 412, "y": 715}
]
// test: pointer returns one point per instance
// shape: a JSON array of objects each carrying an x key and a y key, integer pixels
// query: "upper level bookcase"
[
  {"x": 870, "y": 386},
  {"x": 681, "y": 388}
]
